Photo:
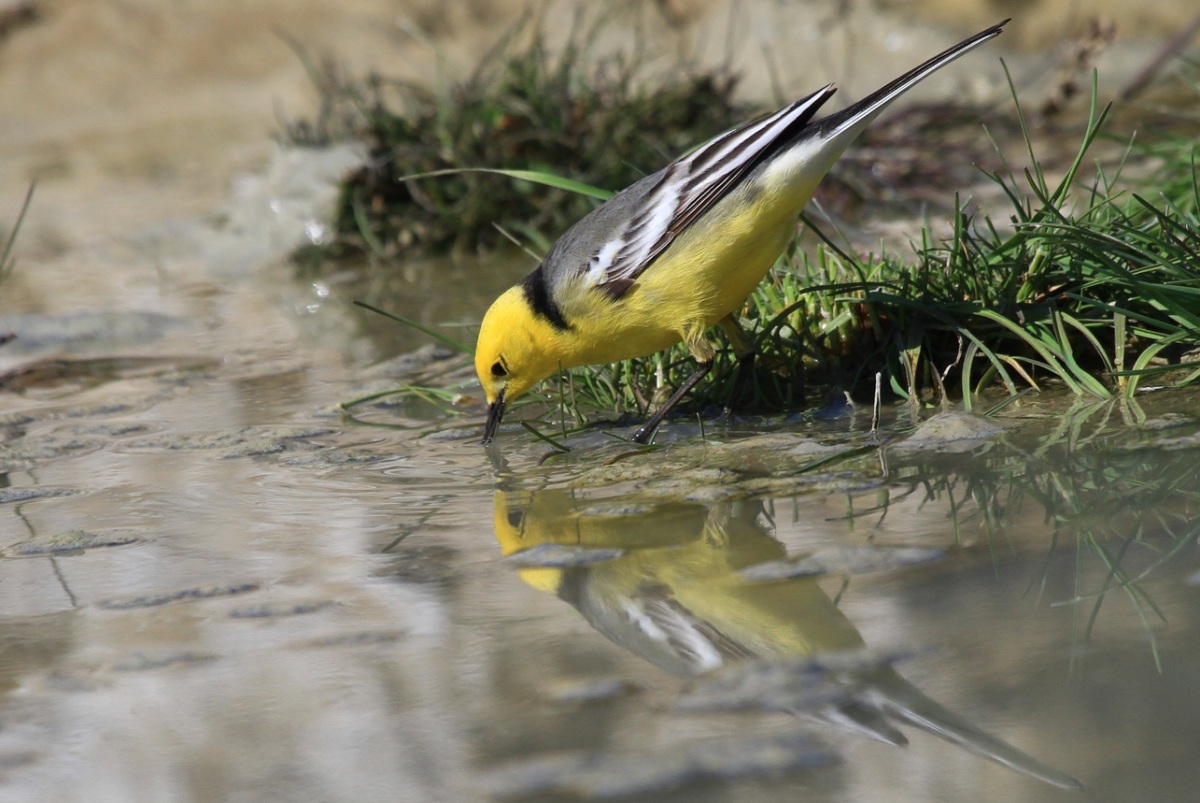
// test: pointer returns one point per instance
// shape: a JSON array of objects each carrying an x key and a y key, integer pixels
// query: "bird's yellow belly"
[
  {"x": 705, "y": 275},
  {"x": 706, "y": 282}
]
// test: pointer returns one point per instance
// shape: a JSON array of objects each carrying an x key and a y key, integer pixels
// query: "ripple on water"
[
  {"x": 74, "y": 542},
  {"x": 254, "y": 441},
  {"x": 141, "y": 662},
  {"x": 164, "y": 597},
  {"x": 454, "y": 468},
  {"x": 13, "y": 495},
  {"x": 275, "y": 610}
]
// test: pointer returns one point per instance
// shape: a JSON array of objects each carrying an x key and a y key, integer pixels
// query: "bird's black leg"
[
  {"x": 743, "y": 347},
  {"x": 643, "y": 434}
]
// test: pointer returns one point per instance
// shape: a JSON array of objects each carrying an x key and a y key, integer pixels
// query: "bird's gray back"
[{"x": 569, "y": 257}]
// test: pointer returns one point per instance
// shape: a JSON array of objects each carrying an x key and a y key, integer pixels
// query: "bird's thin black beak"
[{"x": 495, "y": 413}]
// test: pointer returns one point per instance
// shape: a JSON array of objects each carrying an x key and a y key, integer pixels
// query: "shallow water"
[{"x": 215, "y": 587}]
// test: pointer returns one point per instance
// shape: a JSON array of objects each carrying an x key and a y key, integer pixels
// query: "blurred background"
[{"x": 140, "y": 111}]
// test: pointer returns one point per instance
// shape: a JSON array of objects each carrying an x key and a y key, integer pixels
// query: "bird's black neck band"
[{"x": 537, "y": 293}]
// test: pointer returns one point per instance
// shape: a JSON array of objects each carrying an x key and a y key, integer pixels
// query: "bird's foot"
[{"x": 642, "y": 436}]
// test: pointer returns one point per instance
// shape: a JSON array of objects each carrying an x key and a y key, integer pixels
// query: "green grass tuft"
[{"x": 1093, "y": 286}]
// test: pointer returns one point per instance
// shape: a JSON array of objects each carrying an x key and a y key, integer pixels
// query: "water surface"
[{"x": 216, "y": 587}]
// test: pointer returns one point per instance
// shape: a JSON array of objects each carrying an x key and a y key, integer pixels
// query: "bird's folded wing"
[{"x": 689, "y": 187}]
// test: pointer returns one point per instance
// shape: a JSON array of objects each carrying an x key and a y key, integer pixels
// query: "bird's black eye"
[{"x": 498, "y": 369}]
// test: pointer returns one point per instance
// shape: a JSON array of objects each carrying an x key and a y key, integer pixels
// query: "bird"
[
  {"x": 664, "y": 581},
  {"x": 676, "y": 252}
]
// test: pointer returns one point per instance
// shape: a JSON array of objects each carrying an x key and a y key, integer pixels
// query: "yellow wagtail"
[
  {"x": 675, "y": 252},
  {"x": 674, "y": 594}
]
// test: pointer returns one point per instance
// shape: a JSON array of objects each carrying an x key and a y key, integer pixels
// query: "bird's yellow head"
[
  {"x": 520, "y": 526},
  {"x": 516, "y": 349}
]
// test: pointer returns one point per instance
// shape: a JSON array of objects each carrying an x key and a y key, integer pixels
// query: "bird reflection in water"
[{"x": 664, "y": 581}]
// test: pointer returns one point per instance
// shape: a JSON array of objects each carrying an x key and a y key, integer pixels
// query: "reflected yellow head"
[
  {"x": 517, "y": 530},
  {"x": 516, "y": 350}
]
